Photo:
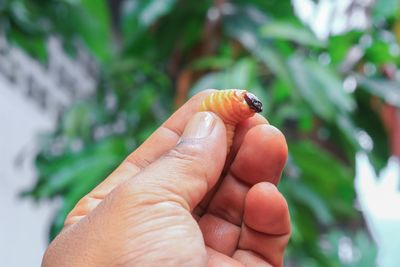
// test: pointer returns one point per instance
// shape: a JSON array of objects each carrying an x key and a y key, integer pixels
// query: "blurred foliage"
[{"x": 157, "y": 53}]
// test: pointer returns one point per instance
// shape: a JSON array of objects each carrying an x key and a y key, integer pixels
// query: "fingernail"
[{"x": 199, "y": 126}]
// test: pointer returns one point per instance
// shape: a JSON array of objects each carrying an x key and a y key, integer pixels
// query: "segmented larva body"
[{"x": 232, "y": 106}]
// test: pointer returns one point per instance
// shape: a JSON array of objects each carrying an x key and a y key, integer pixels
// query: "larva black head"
[{"x": 253, "y": 102}]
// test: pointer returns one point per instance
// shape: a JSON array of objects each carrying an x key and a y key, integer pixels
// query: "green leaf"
[
  {"x": 301, "y": 193},
  {"x": 340, "y": 45},
  {"x": 281, "y": 91},
  {"x": 325, "y": 175},
  {"x": 149, "y": 11},
  {"x": 95, "y": 167},
  {"x": 320, "y": 87},
  {"x": 367, "y": 248},
  {"x": 332, "y": 86},
  {"x": 78, "y": 121},
  {"x": 214, "y": 80},
  {"x": 363, "y": 250},
  {"x": 289, "y": 31},
  {"x": 280, "y": 9},
  {"x": 305, "y": 224},
  {"x": 243, "y": 27},
  {"x": 95, "y": 28},
  {"x": 298, "y": 112},
  {"x": 275, "y": 62},
  {"x": 206, "y": 63},
  {"x": 311, "y": 90},
  {"x": 95, "y": 161},
  {"x": 370, "y": 121},
  {"x": 347, "y": 126},
  {"x": 138, "y": 15},
  {"x": 241, "y": 76},
  {"x": 384, "y": 9},
  {"x": 23, "y": 14},
  {"x": 388, "y": 90},
  {"x": 35, "y": 46},
  {"x": 379, "y": 52}
]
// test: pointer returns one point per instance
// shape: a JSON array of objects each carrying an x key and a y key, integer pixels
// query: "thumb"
[{"x": 189, "y": 170}]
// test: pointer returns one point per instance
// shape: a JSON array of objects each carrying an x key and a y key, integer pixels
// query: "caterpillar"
[{"x": 232, "y": 106}]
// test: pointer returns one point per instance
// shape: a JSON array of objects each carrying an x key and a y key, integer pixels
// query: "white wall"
[
  {"x": 31, "y": 96},
  {"x": 23, "y": 224}
]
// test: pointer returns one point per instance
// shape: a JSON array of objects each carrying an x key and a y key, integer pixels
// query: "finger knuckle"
[{"x": 187, "y": 151}]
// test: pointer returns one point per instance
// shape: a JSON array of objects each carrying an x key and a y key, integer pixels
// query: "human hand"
[{"x": 179, "y": 201}]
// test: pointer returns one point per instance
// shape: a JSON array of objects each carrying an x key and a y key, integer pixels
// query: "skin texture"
[{"x": 180, "y": 200}]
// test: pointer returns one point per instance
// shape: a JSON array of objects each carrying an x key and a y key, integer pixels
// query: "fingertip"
[
  {"x": 274, "y": 139},
  {"x": 266, "y": 210},
  {"x": 261, "y": 156},
  {"x": 266, "y": 228}
]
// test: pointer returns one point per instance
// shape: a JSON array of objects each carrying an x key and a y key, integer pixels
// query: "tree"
[{"x": 154, "y": 54}]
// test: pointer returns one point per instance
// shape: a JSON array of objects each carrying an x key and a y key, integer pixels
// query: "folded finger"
[
  {"x": 266, "y": 223},
  {"x": 261, "y": 157}
]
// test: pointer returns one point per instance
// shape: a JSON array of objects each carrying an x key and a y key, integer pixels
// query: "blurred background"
[{"x": 84, "y": 82}]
